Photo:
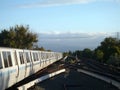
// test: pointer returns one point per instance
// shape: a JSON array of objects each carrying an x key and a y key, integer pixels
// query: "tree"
[
  {"x": 42, "y": 49},
  {"x": 3, "y": 36},
  {"x": 65, "y": 54},
  {"x": 78, "y": 53},
  {"x": 87, "y": 53},
  {"x": 110, "y": 46},
  {"x": 114, "y": 60},
  {"x": 99, "y": 55},
  {"x": 18, "y": 37}
]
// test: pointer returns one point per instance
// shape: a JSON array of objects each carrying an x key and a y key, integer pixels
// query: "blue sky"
[{"x": 62, "y": 16}]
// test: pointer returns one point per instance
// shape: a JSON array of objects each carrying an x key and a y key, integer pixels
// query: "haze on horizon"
[{"x": 72, "y": 41}]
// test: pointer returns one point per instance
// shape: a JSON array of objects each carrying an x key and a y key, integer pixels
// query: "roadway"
[{"x": 73, "y": 80}]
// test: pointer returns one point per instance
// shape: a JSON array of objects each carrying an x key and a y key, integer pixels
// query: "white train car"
[{"x": 17, "y": 64}]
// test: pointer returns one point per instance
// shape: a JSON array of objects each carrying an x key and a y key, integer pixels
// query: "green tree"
[
  {"x": 87, "y": 53},
  {"x": 18, "y": 37},
  {"x": 42, "y": 49},
  {"x": 3, "y": 36},
  {"x": 114, "y": 60},
  {"x": 99, "y": 55},
  {"x": 65, "y": 54},
  {"x": 110, "y": 46}
]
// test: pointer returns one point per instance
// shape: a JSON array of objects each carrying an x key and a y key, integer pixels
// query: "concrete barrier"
[
  {"x": 106, "y": 79},
  {"x": 32, "y": 83}
]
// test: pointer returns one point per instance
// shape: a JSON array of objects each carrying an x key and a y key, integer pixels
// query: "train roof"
[{"x": 23, "y": 49}]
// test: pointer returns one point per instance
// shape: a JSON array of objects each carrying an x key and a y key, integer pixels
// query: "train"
[{"x": 17, "y": 64}]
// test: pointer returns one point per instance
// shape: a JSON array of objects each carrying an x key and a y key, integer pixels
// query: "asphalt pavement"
[{"x": 73, "y": 80}]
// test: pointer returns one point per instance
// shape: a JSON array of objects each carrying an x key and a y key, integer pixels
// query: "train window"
[
  {"x": 46, "y": 55},
  {"x": 0, "y": 62},
  {"x": 27, "y": 57},
  {"x": 7, "y": 59},
  {"x": 21, "y": 57},
  {"x": 37, "y": 57},
  {"x": 15, "y": 56},
  {"x": 40, "y": 56},
  {"x": 34, "y": 57}
]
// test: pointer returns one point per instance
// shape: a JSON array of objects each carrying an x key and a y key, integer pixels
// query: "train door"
[
  {"x": 13, "y": 67},
  {"x": 9, "y": 73},
  {"x": 21, "y": 65},
  {"x": 16, "y": 63},
  {"x": 35, "y": 61},
  {"x": 5, "y": 74},
  {"x": 43, "y": 59},
  {"x": 40, "y": 58},
  {"x": 28, "y": 68},
  {"x": 32, "y": 62}
]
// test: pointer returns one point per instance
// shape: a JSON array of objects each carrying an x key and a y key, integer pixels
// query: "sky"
[{"x": 64, "y": 25}]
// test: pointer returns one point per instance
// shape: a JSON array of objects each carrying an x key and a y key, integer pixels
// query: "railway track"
[
  {"x": 102, "y": 69},
  {"x": 96, "y": 67},
  {"x": 96, "y": 72}
]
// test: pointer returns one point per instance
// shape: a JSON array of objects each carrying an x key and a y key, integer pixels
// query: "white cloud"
[
  {"x": 71, "y": 34},
  {"x": 51, "y": 3}
]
